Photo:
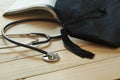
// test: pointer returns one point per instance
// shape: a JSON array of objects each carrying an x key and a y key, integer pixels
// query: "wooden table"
[{"x": 23, "y": 64}]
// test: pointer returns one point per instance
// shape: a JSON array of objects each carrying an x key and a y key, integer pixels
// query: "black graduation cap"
[{"x": 97, "y": 21}]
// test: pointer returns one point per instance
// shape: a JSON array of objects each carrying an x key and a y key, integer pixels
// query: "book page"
[{"x": 24, "y": 3}]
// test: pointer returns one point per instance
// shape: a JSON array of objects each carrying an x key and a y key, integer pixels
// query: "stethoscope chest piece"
[{"x": 51, "y": 57}]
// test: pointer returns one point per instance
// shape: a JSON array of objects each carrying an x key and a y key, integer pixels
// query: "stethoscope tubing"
[{"x": 8, "y": 26}]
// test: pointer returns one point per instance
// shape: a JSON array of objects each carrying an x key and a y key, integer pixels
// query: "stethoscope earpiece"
[{"x": 51, "y": 57}]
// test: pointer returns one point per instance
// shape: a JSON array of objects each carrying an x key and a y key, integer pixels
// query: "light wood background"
[{"x": 23, "y": 64}]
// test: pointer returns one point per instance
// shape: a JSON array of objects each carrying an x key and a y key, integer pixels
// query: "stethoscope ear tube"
[{"x": 48, "y": 56}]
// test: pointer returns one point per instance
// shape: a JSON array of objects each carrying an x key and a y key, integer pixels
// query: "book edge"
[{"x": 45, "y": 7}]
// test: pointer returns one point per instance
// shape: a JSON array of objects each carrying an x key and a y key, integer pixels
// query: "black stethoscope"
[
  {"x": 48, "y": 56},
  {"x": 52, "y": 56}
]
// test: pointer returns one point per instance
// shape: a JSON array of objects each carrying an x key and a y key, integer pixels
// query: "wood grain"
[
  {"x": 33, "y": 66},
  {"x": 24, "y": 64},
  {"x": 104, "y": 70}
]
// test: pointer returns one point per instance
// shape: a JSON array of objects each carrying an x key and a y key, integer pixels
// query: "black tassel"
[{"x": 74, "y": 48}]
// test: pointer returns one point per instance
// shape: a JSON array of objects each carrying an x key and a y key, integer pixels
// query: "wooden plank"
[
  {"x": 103, "y": 70},
  {"x": 33, "y": 66},
  {"x": 20, "y": 63}
]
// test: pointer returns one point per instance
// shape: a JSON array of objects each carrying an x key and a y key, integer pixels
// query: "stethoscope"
[{"x": 48, "y": 56}]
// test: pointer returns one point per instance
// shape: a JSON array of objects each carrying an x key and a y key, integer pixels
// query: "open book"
[{"x": 27, "y": 5}]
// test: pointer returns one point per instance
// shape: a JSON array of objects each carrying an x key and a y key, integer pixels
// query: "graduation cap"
[{"x": 97, "y": 21}]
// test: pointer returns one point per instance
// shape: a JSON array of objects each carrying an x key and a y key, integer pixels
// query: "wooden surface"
[{"x": 23, "y": 64}]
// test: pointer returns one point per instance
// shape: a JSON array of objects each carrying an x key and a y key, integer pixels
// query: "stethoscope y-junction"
[{"x": 48, "y": 56}]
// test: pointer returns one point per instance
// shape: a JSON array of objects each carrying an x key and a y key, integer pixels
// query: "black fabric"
[
  {"x": 97, "y": 21},
  {"x": 74, "y": 48}
]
